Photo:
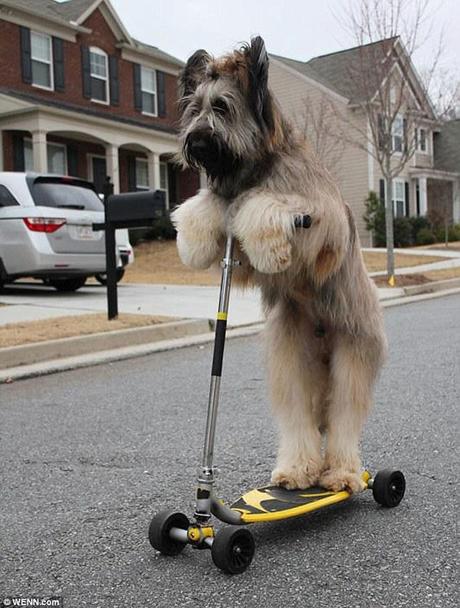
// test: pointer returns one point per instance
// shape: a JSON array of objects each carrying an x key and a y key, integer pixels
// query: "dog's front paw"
[
  {"x": 268, "y": 256},
  {"x": 342, "y": 479},
  {"x": 297, "y": 477}
]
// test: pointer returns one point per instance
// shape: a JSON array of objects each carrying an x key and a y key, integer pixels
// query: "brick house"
[
  {"x": 431, "y": 178},
  {"x": 80, "y": 96}
]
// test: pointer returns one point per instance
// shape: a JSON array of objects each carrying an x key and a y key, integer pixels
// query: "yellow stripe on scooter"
[
  {"x": 221, "y": 316},
  {"x": 252, "y": 518}
]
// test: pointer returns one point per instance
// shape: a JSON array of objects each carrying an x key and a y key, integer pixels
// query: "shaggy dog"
[{"x": 324, "y": 333}]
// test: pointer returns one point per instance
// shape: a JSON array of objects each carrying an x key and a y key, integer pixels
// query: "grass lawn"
[
  {"x": 158, "y": 262},
  {"x": 454, "y": 246},
  {"x": 15, "y": 334}
]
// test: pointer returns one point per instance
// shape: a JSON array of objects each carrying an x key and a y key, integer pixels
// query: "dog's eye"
[
  {"x": 194, "y": 110},
  {"x": 220, "y": 107}
]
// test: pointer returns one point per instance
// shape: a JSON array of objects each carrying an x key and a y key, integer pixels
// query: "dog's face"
[{"x": 226, "y": 108}]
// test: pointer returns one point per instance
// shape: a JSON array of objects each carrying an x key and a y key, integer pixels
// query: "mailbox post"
[{"x": 130, "y": 210}]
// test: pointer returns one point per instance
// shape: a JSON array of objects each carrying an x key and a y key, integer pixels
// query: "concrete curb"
[
  {"x": 27, "y": 354},
  {"x": 432, "y": 287},
  {"x": 129, "y": 352}
]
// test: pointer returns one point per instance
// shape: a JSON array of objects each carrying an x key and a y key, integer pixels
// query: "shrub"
[
  {"x": 403, "y": 232},
  {"x": 162, "y": 229},
  {"x": 374, "y": 219},
  {"x": 454, "y": 233},
  {"x": 417, "y": 224},
  {"x": 424, "y": 237}
]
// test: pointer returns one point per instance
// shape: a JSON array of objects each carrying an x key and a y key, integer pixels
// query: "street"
[{"x": 88, "y": 456}]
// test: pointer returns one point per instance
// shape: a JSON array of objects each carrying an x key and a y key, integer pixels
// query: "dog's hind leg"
[
  {"x": 354, "y": 366},
  {"x": 297, "y": 388}
]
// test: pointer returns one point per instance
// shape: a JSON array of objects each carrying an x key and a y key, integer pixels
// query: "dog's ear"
[
  {"x": 259, "y": 95},
  {"x": 193, "y": 72}
]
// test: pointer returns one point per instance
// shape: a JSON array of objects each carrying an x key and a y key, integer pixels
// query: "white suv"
[{"x": 46, "y": 230}]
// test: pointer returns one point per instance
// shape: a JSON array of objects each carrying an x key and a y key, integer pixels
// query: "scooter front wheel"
[
  {"x": 233, "y": 549},
  {"x": 159, "y": 530}
]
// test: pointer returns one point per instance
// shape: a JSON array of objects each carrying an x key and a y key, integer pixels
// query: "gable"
[{"x": 105, "y": 8}]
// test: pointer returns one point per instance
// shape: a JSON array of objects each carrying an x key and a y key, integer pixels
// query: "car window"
[
  {"x": 6, "y": 198},
  {"x": 65, "y": 195}
]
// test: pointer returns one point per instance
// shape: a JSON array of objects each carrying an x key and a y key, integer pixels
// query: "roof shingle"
[{"x": 336, "y": 70}]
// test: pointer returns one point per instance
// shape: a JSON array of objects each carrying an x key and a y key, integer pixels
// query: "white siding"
[{"x": 350, "y": 165}]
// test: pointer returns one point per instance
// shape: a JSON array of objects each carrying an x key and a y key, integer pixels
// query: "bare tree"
[
  {"x": 323, "y": 130},
  {"x": 444, "y": 87},
  {"x": 392, "y": 98}
]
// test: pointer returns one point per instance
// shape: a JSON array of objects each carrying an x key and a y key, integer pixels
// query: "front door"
[{"x": 99, "y": 167}]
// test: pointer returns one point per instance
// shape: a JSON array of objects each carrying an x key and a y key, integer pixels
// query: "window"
[
  {"x": 142, "y": 174},
  {"x": 99, "y": 72},
  {"x": 42, "y": 60},
  {"x": 6, "y": 198},
  {"x": 149, "y": 91},
  {"x": 59, "y": 193},
  {"x": 28, "y": 155},
  {"x": 57, "y": 157},
  {"x": 397, "y": 134},
  {"x": 421, "y": 140},
  {"x": 399, "y": 198}
]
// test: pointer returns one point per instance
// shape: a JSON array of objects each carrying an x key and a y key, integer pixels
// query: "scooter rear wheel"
[
  {"x": 388, "y": 488},
  {"x": 159, "y": 529},
  {"x": 233, "y": 549}
]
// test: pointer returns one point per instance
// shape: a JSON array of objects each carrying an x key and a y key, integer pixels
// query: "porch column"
[
  {"x": 39, "y": 151},
  {"x": 113, "y": 167},
  {"x": 423, "y": 195},
  {"x": 153, "y": 164},
  {"x": 2, "y": 164},
  {"x": 456, "y": 201}
]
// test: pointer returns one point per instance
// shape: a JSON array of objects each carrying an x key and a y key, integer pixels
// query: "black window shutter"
[
  {"x": 26, "y": 55},
  {"x": 405, "y": 142},
  {"x": 19, "y": 163},
  {"x": 406, "y": 186},
  {"x": 131, "y": 174},
  {"x": 58, "y": 61},
  {"x": 137, "y": 87},
  {"x": 114, "y": 80},
  {"x": 382, "y": 190},
  {"x": 86, "y": 72},
  {"x": 72, "y": 160},
  {"x": 161, "y": 91}
]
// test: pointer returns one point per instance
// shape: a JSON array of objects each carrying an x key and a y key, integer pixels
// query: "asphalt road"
[{"x": 88, "y": 456}]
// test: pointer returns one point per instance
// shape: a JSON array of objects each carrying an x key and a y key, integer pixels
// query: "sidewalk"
[
  {"x": 453, "y": 262},
  {"x": 36, "y": 302}
]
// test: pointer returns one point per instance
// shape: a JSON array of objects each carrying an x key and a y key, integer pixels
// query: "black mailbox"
[
  {"x": 130, "y": 210},
  {"x": 135, "y": 209}
]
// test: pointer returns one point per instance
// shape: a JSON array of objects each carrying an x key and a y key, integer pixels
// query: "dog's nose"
[{"x": 198, "y": 148}]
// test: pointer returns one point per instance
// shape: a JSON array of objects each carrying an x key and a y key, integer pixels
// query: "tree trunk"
[{"x": 389, "y": 230}]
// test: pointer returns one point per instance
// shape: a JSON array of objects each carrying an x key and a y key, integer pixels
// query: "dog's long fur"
[{"x": 324, "y": 333}]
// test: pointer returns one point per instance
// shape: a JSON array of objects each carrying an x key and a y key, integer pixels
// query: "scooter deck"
[{"x": 271, "y": 503}]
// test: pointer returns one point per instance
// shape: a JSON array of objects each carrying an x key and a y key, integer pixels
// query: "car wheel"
[
  {"x": 67, "y": 284},
  {"x": 102, "y": 278}
]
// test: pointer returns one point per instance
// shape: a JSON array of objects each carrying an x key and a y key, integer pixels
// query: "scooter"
[{"x": 232, "y": 547}]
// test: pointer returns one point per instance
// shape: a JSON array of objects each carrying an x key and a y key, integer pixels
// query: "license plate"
[{"x": 85, "y": 233}]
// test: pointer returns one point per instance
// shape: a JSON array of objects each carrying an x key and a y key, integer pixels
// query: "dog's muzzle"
[{"x": 202, "y": 148}]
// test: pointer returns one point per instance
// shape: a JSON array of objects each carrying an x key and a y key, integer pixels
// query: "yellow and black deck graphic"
[{"x": 271, "y": 503}]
